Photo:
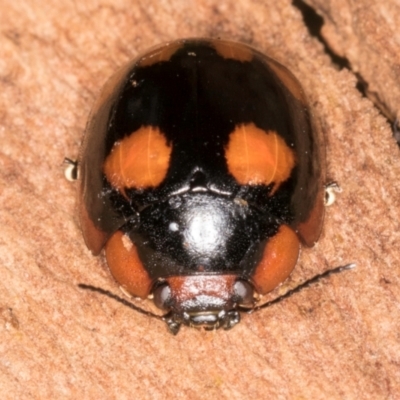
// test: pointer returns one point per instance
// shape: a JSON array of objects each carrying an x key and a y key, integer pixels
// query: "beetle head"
[{"x": 203, "y": 301}]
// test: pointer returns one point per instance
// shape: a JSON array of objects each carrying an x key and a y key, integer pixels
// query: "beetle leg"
[
  {"x": 71, "y": 171},
  {"x": 331, "y": 189}
]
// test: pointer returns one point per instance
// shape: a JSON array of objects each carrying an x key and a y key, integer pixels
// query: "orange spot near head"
[
  {"x": 255, "y": 156},
  {"x": 125, "y": 265},
  {"x": 279, "y": 259},
  {"x": 140, "y": 160}
]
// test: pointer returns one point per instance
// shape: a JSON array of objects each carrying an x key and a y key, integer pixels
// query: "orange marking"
[
  {"x": 235, "y": 51},
  {"x": 140, "y": 160},
  {"x": 279, "y": 258},
  {"x": 258, "y": 157},
  {"x": 159, "y": 54},
  {"x": 125, "y": 265}
]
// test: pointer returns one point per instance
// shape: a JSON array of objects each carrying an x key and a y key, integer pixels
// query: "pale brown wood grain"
[{"x": 338, "y": 340}]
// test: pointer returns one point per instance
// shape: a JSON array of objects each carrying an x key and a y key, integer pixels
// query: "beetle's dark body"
[{"x": 205, "y": 210}]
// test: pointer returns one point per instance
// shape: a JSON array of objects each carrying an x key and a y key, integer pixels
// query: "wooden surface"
[
  {"x": 338, "y": 340},
  {"x": 366, "y": 34}
]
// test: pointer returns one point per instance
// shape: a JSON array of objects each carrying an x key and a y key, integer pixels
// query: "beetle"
[{"x": 201, "y": 175}]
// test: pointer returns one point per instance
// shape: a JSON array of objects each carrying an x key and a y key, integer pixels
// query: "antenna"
[
  {"x": 120, "y": 300},
  {"x": 299, "y": 288}
]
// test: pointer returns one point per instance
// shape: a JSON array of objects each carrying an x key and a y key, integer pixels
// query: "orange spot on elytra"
[
  {"x": 235, "y": 51},
  {"x": 125, "y": 265},
  {"x": 279, "y": 259},
  {"x": 140, "y": 160},
  {"x": 159, "y": 54},
  {"x": 255, "y": 156}
]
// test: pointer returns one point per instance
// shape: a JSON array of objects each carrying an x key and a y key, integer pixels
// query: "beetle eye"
[
  {"x": 243, "y": 292},
  {"x": 162, "y": 295}
]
